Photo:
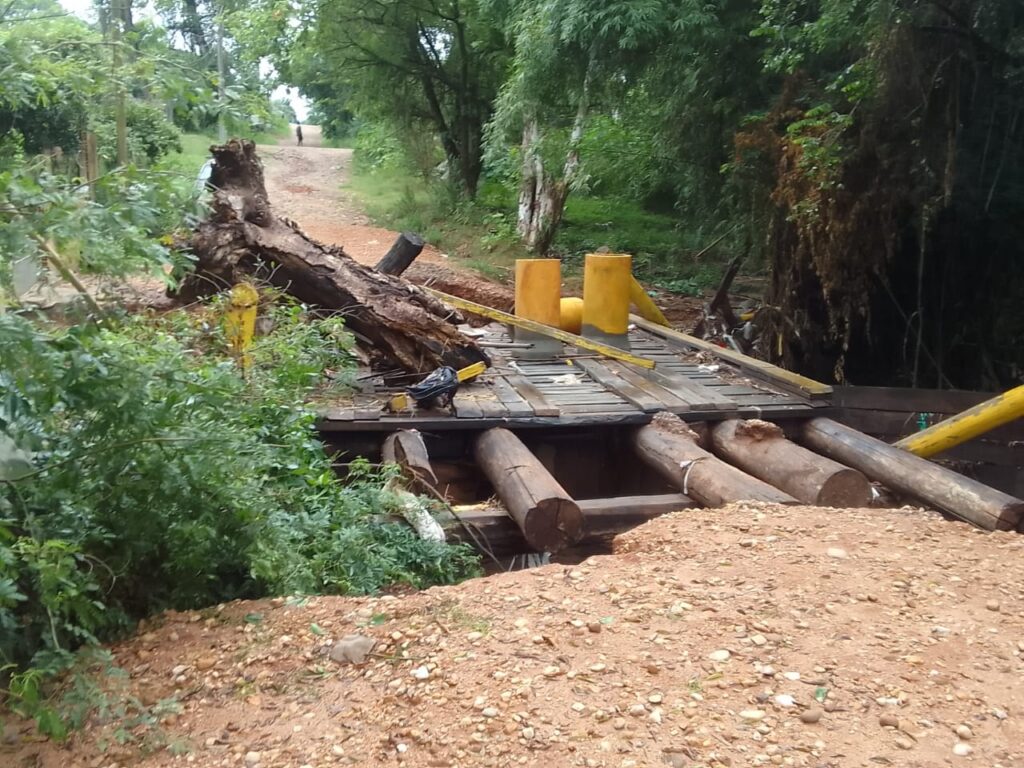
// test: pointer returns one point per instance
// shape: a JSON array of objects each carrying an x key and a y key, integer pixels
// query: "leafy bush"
[{"x": 139, "y": 470}]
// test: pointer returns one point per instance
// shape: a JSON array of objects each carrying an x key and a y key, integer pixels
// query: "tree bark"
[
  {"x": 403, "y": 252},
  {"x": 760, "y": 448},
  {"x": 242, "y": 239},
  {"x": 548, "y": 517}
]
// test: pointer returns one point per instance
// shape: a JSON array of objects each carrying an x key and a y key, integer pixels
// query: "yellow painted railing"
[{"x": 973, "y": 422}]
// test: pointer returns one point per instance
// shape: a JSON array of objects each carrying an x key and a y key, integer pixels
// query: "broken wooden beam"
[
  {"x": 761, "y": 449},
  {"x": 401, "y": 254},
  {"x": 546, "y": 514},
  {"x": 901, "y": 471},
  {"x": 670, "y": 447},
  {"x": 779, "y": 377},
  {"x": 407, "y": 449},
  {"x": 602, "y": 520}
]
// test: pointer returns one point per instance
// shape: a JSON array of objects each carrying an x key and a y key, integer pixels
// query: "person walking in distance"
[{"x": 298, "y": 133}]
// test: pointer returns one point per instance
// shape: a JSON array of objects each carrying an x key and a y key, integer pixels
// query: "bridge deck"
[{"x": 579, "y": 388}]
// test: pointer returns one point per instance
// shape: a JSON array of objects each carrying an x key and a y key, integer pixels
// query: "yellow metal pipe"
[
  {"x": 644, "y": 304},
  {"x": 539, "y": 290},
  {"x": 975, "y": 421},
  {"x": 606, "y": 288}
]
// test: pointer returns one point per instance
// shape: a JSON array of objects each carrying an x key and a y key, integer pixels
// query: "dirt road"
[{"x": 308, "y": 185}]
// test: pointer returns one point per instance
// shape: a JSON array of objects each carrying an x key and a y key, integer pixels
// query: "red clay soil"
[{"x": 751, "y": 635}]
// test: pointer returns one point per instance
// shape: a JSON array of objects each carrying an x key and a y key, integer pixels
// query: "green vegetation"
[
  {"x": 867, "y": 155},
  {"x": 142, "y": 471},
  {"x": 481, "y": 232},
  {"x": 139, "y": 469}
]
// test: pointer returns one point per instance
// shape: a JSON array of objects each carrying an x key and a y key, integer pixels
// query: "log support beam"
[
  {"x": 901, "y": 471},
  {"x": 670, "y": 447},
  {"x": 761, "y": 448},
  {"x": 546, "y": 514}
]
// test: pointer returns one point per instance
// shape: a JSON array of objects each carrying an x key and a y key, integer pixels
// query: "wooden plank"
[
  {"x": 906, "y": 399},
  {"x": 668, "y": 399},
  {"x": 602, "y": 519},
  {"x": 465, "y": 404},
  {"x": 696, "y": 395},
  {"x": 338, "y": 414},
  {"x": 752, "y": 366},
  {"x": 514, "y": 403},
  {"x": 525, "y": 389},
  {"x": 488, "y": 402},
  {"x": 530, "y": 325}
]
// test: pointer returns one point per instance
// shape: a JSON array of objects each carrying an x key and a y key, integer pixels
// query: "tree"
[
  {"x": 571, "y": 56},
  {"x": 431, "y": 65}
]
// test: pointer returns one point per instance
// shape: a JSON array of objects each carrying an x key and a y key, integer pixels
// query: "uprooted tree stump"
[{"x": 243, "y": 239}]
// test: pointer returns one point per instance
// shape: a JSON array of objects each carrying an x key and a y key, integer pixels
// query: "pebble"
[
  {"x": 655, "y": 698},
  {"x": 720, "y": 655},
  {"x": 552, "y": 671},
  {"x": 837, "y": 552},
  {"x": 758, "y": 639},
  {"x": 252, "y": 758},
  {"x": 964, "y": 732},
  {"x": 594, "y": 626},
  {"x": 637, "y": 710},
  {"x": 490, "y": 712},
  {"x": 206, "y": 662},
  {"x": 904, "y": 743},
  {"x": 993, "y": 605},
  {"x": 528, "y": 732},
  {"x": 785, "y": 700},
  {"x": 962, "y": 749},
  {"x": 352, "y": 649},
  {"x": 752, "y": 714},
  {"x": 420, "y": 673},
  {"x": 812, "y": 715},
  {"x": 889, "y": 721}
]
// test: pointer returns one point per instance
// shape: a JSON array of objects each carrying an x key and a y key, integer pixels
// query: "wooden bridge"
[{"x": 567, "y": 442}]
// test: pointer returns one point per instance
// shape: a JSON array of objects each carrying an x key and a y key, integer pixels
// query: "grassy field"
[{"x": 482, "y": 233}]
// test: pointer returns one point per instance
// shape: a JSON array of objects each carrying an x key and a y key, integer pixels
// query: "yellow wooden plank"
[
  {"x": 530, "y": 325},
  {"x": 772, "y": 373}
]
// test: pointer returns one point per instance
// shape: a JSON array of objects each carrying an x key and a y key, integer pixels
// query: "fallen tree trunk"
[
  {"x": 548, "y": 517},
  {"x": 902, "y": 471},
  {"x": 669, "y": 447},
  {"x": 760, "y": 448},
  {"x": 403, "y": 252},
  {"x": 242, "y": 239}
]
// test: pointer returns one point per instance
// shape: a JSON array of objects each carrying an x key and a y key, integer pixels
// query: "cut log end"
[
  {"x": 845, "y": 488},
  {"x": 553, "y": 524}
]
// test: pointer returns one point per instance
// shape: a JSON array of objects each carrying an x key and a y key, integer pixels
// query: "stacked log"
[
  {"x": 671, "y": 448},
  {"x": 761, "y": 448}
]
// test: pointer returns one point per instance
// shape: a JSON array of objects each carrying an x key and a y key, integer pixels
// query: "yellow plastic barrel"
[
  {"x": 607, "y": 280},
  {"x": 571, "y": 317}
]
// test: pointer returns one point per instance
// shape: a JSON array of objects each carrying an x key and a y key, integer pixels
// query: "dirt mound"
[{"x": 752, "y": 635}]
